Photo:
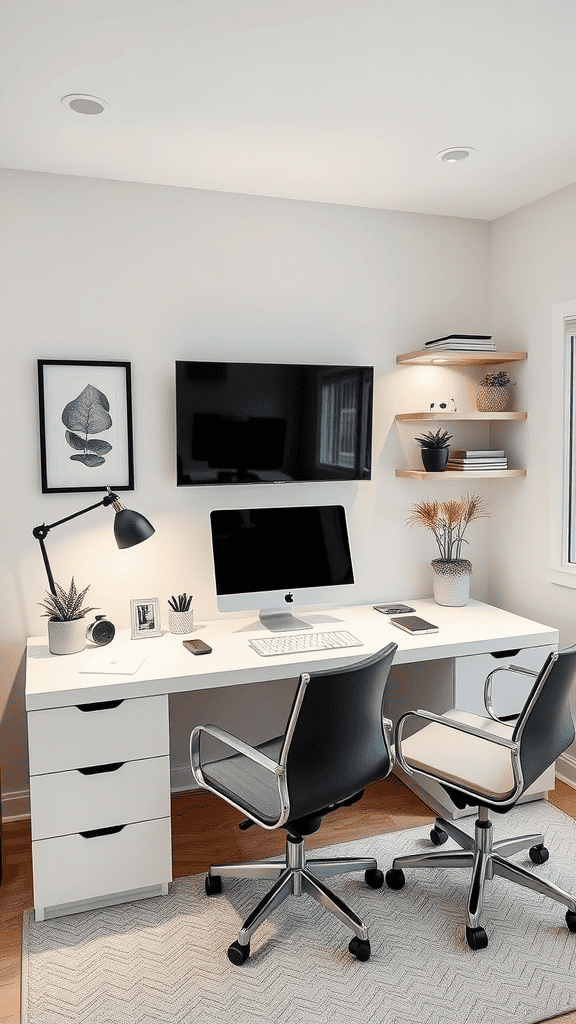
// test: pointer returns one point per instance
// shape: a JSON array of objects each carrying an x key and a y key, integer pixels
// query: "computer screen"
[{"x": 274, "y": 558}]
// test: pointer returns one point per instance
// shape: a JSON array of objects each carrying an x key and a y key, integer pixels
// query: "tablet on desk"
[
  {"x": 121, "y": 662},
  {"x": 415, "y": 625}
]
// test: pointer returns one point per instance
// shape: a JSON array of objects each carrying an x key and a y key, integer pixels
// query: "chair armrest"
[
  {"x": 231, "y": 741},
  {"x": 429, "y": 716},
  {"x": 488, "y": 704}
]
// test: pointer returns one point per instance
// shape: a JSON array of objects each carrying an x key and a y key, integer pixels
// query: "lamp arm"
[{"x": 41, "y": 532}]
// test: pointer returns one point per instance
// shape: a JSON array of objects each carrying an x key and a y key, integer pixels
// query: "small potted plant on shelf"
[
  {"x": 448, "y": 520},
  {"x": 66, "y": 626},
  {"x": 493, "y": 394},
  {"x": 434, "y": 449}
]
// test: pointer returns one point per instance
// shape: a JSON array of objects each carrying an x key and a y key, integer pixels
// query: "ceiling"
[{"x": 337, "y": 101}]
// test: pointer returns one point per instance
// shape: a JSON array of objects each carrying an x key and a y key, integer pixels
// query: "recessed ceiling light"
[
  {"x": 81, "y": 103},
  {"x": 455, "y": 154}
]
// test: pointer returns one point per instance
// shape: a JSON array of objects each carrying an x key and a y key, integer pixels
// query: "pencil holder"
[{"x": 181, "y": 622}]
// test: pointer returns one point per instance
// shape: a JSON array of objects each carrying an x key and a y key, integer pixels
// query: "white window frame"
[{"x": 563, "y": 453}]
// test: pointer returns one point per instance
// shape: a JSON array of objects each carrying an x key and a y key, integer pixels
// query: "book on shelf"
[
  {"x": 470, "y": 339},
  {"x": 476, "y": 453},
  {"x": 477, "y": 465}
]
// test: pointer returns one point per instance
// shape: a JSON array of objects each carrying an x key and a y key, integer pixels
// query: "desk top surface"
[{"x": 57, "y": 681}]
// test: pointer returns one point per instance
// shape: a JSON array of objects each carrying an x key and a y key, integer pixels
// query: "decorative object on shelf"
[
  {"x": 66, "y": 625},
  {"x": 444, "y": 405},
  {"x": 493, "y": 394},
  {"x": 448, "y": 520},
  {"x": 180, "y": 615},
  {"x": 434, "y": 450},
  {"x": 79, "y": 401},
  {"x": 130, "y": 528},
  {"x": 101, "y": 631},
  {"x": 145, "y": 617}
]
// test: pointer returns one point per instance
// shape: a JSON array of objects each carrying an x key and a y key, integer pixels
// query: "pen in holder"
[{"x": 180, "y": 616}]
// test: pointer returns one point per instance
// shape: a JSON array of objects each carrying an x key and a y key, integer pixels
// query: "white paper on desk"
[{"x": 120, "y": 661}]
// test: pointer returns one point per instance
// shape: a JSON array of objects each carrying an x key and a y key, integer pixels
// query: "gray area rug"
[{"x": 163, "y": 960}]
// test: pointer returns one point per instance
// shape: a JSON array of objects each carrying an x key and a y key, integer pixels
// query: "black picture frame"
[{"x": 85, "y": 407}]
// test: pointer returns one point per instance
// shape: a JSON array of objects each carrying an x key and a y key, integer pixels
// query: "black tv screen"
[{"x": 239, "y": 423}]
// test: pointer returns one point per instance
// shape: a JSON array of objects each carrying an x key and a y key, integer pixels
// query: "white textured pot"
[
  {"x": 66, "y": 637},
  {"x": 181, "y": 622},
  {"x": 452, "y": 581}
]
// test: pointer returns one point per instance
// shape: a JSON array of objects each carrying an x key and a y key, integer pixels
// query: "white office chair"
[{"x": 484, "y": 762}]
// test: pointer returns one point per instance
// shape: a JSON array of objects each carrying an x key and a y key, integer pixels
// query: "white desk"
[{"x": 103, "y": 836}]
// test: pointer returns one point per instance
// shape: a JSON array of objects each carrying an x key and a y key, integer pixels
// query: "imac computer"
[{"x": 274, "y": 558}]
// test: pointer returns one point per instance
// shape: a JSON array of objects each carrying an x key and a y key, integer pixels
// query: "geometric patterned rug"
[{"x": 163, "y": 960}]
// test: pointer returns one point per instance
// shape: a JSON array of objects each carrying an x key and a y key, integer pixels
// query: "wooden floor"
[{"x": 386, "y": 807}]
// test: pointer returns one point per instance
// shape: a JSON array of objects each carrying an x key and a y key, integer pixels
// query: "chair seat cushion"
[
  {"x": 247, "y": 783},
  {"x": 456, "y": 757}
]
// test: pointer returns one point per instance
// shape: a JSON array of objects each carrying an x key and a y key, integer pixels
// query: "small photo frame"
[
  {"x": 145, "y": 617},
  {"x": 85, "y": 425}
]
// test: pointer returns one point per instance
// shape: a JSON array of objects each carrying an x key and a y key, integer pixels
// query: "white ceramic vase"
[
  {"x": 451, "y": 581},
  {"x": 66, "y": 637}
]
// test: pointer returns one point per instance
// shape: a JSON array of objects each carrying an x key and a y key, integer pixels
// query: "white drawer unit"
[{"x": 100, "y": 803}]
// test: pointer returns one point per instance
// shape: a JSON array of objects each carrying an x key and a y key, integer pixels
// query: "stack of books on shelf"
[
  {"x": 472, "y": 459},
  {"x": 463, "y": 343}
]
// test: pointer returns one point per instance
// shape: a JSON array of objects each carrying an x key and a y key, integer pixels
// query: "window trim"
[{"x": 562, "y": 457}]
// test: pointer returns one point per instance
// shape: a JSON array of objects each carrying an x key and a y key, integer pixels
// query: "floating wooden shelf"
[
  {"x": 413, "y": 416},
  {"x": 440, "y": 357},
  {"x": 422, "y": 474}
]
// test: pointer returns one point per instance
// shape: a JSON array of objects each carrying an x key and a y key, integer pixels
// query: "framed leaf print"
[{"x": 85, "y": 425}]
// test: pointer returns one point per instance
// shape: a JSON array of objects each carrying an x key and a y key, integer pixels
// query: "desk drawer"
[
  {"x": 63, "y": 738},
  {"x": 509, "y": 690},
  {"x": 66, "y": 802},
  {"x": 74, "y": 868}
]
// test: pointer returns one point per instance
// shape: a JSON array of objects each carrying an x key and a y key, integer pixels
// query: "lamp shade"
[{"x": 131, "y": 528}]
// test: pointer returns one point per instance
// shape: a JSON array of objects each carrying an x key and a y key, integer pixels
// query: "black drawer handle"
[
  {"x": 110, "y": 831},
  {"x": 505, "y": 654},
  {"x": 98, "y": 769},
  {"x": 100, "y": 705}
]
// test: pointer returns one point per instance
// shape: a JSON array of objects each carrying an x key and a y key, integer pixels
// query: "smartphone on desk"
[{"x": 415, "y": 625}]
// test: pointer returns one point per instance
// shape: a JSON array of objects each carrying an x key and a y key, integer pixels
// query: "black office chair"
[
  {"x": 484, "y": 762},
  {"x": 336, "y": 742}
]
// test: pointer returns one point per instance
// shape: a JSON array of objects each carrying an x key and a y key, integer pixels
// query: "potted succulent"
[
  {"x": 493, "y": 394},
  {"x": 448, "y": 520},
  {"x": 434, "y": 450},
  {"x": 66, "y": 626}
]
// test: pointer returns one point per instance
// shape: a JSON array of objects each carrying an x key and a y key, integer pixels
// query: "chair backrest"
[
  {"x": 334, "y": 744},
  {"x": 545, "y": 727}
]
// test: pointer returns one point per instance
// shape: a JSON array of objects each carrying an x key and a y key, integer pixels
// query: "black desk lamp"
[{"x": 130, "y": 528}]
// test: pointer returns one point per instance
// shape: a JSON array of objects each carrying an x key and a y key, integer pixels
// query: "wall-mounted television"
[{"x": 239, "y": 423}]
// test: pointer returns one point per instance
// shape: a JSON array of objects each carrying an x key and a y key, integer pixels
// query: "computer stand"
[{"x": 280, "y": 621}]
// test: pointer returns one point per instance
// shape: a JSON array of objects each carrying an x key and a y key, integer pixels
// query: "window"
[{"x": 563, "y": 462}]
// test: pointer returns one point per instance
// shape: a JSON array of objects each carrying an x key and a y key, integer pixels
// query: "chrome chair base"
[
  {"x": 486, "y": 858},
  {"x": 295, "y": 875}
]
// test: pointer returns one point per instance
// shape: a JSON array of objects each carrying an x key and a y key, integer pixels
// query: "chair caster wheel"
[
  {"x": 438, "y": 836},
  {"x": 538, "y": 854},
  {"x": 374, "y": 878},
  {"x": 571, "y": 920},
  {"x": 212, "y": 885},
  {"x": 476, "y": 938},
  {"x": 395, "y": 878},
  {"x": 237, "y": 954},
  {"x": 360, "y": 948}
]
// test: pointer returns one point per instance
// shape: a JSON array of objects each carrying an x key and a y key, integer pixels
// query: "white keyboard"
[{"x": 304, "y": 643}]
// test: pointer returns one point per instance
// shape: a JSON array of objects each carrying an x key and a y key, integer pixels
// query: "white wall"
[
  {"x": 533, "y": 267},
  {"x": 99, "y": 269}
]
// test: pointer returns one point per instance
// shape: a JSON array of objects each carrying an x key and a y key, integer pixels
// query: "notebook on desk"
[{"x": 120, "y": 661}]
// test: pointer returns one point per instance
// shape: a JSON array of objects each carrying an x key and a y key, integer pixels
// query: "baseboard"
[
  {"x": 566, "y": 770},
  {"x": 181, "y": 778}
]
